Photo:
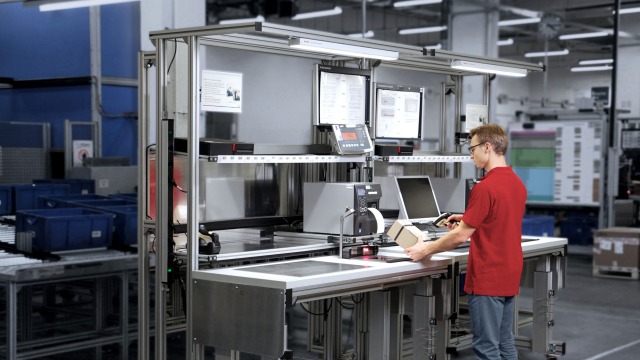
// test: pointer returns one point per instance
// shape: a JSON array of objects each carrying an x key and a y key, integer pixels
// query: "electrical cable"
[{"x": 326, "y": 310}]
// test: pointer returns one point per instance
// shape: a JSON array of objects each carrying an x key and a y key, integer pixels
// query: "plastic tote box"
[
  {"x": 26, "y": 195},
  {"x": 76, "y": 186},
  {"x": 125, "y": 223},
  {"x": 62, "y": 229},
  {"x": 100, "y": 203},
  {"x": 63, "y": 201},
  {"x": 538, "y": 225}
]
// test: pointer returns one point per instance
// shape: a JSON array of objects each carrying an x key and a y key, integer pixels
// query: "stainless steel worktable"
[
  {"x": 544, "y": 270},
  {"x": 243, "y": 308}
]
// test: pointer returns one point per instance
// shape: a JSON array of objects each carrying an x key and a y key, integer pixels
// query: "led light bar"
[
  {"x": 407, "y": 3},
  {"x": 585, "y": 35},
  {"x": 548, "y": 53},
  {"x": 488, "y": 68},
  {"x": 437, "y": 46},
  {"x": 523, "y": 21},
  {"x": 591, "y": 68},
  {"x": 595, "y": 62},
  {"x": 368, "y": 34},
  {"x": 628, "y": 10},
  {"x": 316, "y": 14},
  {"x": 342, "y": 49},
  {"x": 505, "y": 42},
  {"x": 422, "y": 30},
  {"x": 79, "y": 4}
]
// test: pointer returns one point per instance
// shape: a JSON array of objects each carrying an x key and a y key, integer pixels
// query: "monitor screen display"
[
  {"x": 342, "y": 96},
  {"x": 398, "y": 113},
  {"x": 416, "y": 198}
]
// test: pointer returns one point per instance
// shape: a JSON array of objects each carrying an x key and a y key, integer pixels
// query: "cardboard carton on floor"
[{"x": 617, "y": 247}]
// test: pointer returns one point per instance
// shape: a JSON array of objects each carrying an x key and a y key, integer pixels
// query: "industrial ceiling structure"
[{"x": 571, "y": 31}]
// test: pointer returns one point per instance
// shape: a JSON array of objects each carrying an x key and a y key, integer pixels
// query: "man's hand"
[{"x": 418, "y": 252}]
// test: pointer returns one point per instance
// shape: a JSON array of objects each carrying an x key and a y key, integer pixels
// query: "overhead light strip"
[
  {"x": 628, "y": 10},
  {"x": 79, "y": 4},
  {"x": 488, "y": 68},
  {"x": 591, "y": 68},
  {"x": 422, "y": 30},
  {"x": 585, "y": 35},
  {"x": 316, "y": 14},
  {"x": 368, "y": 34},
  {"x": 505, "y": 42},
  {"x": 548, "y": 53},
  {"x": 523, "y": 21},
  {"x": 342, "y": 49},
  {"x": 258, "y": 18},
  {"x": 595, "y": 62},
  {"x": 400, "y": 4}
]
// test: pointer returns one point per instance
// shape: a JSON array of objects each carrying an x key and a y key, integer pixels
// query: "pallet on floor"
[{"x": 616, "y": 273}]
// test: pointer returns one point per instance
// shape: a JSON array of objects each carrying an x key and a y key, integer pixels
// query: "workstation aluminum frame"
[{"x": 258, "y": 37}]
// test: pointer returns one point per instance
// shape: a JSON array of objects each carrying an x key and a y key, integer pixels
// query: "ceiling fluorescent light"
[
  {"x": 79, "y": 3},
  {"x": 591, "y": 68},
  {"x": 524, "y": 21},
  {"x": 422, "y": 30},
  {"x": 595, "y": 62},
  {"x": 488, "y": 68},
  {"x": 628, "y": 10},
  {"x": 259, "y": 18},
  {"x": 548, "y": 53},
  {"x": 505, "y": 42},
  {"x": 342, "y": 49},
  {"x": 316, "y": 14},
  {"x": 584, "y": 35},
  {"x": 368, "y": 34},
  {"x": 407, "y": 3},
  {"x": 437, "y": 46}
]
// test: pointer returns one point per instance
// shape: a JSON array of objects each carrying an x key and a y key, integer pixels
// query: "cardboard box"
[
  {"x": 404, "y": 233},
  {"x": 617, "y": 247}
]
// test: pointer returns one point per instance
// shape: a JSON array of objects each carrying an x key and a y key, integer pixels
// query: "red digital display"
[{"x": 349, "y": 136}]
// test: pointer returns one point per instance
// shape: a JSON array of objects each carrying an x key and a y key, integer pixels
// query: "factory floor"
[{"x": 597, "y": 318}]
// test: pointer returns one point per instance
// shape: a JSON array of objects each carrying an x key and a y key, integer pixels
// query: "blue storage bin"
[
  {"x": 101, "y": 203},
  {"x": 538, "y": 225},
  {"x": 76, "y": 186},
  {"x": 65, "y": 229},
  {"x": 26, "y": 195},
  {"x": 6, "y": 199},
  {"x": 125, "y": 196},
  {"x": 125, "y": 223},
  {"x": 579, "y": 230},
  {"x": 63, "y": 201}
]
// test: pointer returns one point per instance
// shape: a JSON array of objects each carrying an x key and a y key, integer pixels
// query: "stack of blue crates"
[
  {"x": 64, "y": 229},
  {"x": 26, "y": 196},
  {"x": 64, "y": 201},
  {"x": 125, "y": 213},
  {"x": 538, "y": 225},
  {"x": 579, "y": 229},
  {"x": 76, "y": 186}
]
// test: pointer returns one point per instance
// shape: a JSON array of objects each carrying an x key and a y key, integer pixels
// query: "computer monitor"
[
  {"x": 341, "y": 95},
  {"x": 398, "y": 111},
  {"x": 416, "y": 199}
]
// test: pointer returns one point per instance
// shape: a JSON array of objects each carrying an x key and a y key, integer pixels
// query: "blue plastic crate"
[
  {"x": 65, "y": 229},
  {"x": 579, "y": 230},
  {"x": 6, "y": 199},
  {"x": 538, "y": 225},
  {"x": 125, "y": 196},
  {"x": 76, "y": 186},
  {"x": 63, "y": 201},
  {"x": 94, "y": 204},
  {"x": 26, "y": 195},
  {"x": 125, "y": 223}
]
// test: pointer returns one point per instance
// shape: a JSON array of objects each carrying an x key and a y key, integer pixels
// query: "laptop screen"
[{"x": 416, "y": 199}]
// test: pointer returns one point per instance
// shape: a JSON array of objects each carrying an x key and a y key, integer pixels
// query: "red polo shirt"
[{"x": 495, "y": 209}]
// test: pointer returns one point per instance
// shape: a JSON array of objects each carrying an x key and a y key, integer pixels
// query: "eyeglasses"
[{"x": 471, "y": 148}]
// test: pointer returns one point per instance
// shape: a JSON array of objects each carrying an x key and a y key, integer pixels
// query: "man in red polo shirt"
[{"x": 493, "y": 222}]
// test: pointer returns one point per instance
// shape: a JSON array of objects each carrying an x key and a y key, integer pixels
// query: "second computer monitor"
[{"x": 416, "y": 198}]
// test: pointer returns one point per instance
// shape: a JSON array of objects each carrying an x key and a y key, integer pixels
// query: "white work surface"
[{"x": 320, "y": 272}]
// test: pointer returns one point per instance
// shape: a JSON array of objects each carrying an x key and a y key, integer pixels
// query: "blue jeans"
[{"x": 492, "y": 325}]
